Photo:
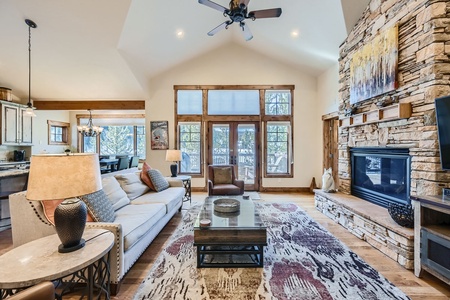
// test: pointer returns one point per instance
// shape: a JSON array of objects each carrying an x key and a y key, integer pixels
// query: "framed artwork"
[
  {"x": 373, "y": 68},
  {"x": 159, "y": 135}
]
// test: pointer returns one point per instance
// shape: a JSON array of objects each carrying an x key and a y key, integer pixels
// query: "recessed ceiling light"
[
  {"x": 179, "y": 33},
  {"x": 295, "y": 33}
]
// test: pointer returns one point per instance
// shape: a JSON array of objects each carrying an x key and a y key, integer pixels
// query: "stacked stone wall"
[{"x": 423, "y": 75}]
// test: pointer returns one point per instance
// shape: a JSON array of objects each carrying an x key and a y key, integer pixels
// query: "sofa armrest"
[
  {"x": 28, "y": 222},
  {"x": 116, "y": 255},
  {"x": 240, "y": 184},
  {"x": 210, "y": 187}
]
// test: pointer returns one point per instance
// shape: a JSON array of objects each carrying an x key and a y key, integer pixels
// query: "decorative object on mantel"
[
  {"x": 49, "y": 179},
  {"x": 89, "y": 129},
  {"x": 5, "y": 94},
  {"x": 403, "y": 215},
  {"x": 349, "y": 111},
  {"x": 385, "y": 101},
  {"x": 373, "y": 68},
  {"x": 29, "y": 111},
  {"x": 328, "y": 181}
]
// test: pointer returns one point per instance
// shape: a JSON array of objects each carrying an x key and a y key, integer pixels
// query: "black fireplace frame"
[{"x": 383, "y": 152}]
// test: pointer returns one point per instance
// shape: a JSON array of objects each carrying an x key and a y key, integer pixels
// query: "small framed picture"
[{"x": 159, "y": 135}]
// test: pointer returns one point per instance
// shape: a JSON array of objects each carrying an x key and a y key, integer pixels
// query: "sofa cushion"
[
  {"x": 137, "y": 220},
  {"x": 49, "y": 206},
  {"x": 226, "y": 189},
  {"x": 114, "y": 192},
  {"x": 170, "y": 198},
  {"x": 145, "y": 177},
  {"x": 222, "y": 175},
  {"x": 132, "y": 185},
  {"x": 99, "y": 206},
  {"x": 159, "y": 182}
]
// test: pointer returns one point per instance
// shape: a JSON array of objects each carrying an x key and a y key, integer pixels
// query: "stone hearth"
[{"x": 371, "y": 223}]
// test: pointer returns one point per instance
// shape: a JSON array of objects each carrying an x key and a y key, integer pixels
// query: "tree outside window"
[{"x": 117, "y": 140}]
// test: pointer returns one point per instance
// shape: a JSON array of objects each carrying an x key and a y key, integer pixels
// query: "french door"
[{"x": 236, "y": 143}]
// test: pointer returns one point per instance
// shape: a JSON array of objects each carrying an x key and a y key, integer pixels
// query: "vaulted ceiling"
[{"x": 108, "y": 49}]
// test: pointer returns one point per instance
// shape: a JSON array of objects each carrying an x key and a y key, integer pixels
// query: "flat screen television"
[{"x": 443, "y": 124}]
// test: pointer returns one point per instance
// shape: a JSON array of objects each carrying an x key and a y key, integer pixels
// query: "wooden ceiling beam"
[{"x": 94, "y": 105}]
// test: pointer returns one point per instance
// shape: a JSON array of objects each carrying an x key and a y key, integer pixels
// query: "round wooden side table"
[{"x": 39, "y": 260}]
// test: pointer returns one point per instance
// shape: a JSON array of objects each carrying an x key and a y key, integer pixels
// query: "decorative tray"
[{"x": 226, "y": 205}]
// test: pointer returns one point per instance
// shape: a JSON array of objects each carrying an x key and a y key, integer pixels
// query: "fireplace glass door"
[{"x": 381, "y": 175}]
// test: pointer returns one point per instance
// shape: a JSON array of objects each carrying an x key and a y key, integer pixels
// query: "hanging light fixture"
[
  {"x": 89, "y": 129},
  {"x": 29, "y": 111}
]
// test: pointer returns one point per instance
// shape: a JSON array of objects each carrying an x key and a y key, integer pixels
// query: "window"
[
  {"x": 140, "y": 141},
  {"x": 278, "y": 103},
  {"x": 117, "y": 140},
  {"x": 58, "y": 133},
  {"x": 278, "y": 138},
  {"x": 270, "y": 106},
  {"x": 190, "y": 146}
]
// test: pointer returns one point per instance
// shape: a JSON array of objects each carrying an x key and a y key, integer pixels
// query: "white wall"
[
  {"x": 328, "y": 90},
  {"x": 40, "y": 130},
  {"x": 233, "y": 65}
]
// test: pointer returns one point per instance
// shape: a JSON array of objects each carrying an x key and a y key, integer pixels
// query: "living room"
[{"x": 226, "y": 60}]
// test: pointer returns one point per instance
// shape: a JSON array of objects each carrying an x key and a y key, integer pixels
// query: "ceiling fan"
[{"x": 238, "y": 13}]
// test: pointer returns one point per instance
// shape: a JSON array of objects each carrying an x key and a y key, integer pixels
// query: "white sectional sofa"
[{"x": 137, "y": 221}]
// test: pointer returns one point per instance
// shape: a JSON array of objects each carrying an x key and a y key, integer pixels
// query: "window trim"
[
  {"x": 65, "y": 132},
  {"x": 262, "y": 118}
]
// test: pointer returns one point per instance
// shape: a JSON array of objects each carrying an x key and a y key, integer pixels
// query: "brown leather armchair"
[
  {"x": 222, "y": 181},
  {"x": 42, "y": 291}
]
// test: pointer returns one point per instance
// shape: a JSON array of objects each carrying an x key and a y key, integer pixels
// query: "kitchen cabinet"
[{"x": 17, "y": 127}]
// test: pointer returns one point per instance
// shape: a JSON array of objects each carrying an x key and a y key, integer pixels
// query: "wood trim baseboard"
[{"x": 286, "y": 189}]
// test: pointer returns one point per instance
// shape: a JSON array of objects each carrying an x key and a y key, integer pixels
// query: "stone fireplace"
[
  {"x": 381, "y": 175},
  {"x": 423, "y": 74}
]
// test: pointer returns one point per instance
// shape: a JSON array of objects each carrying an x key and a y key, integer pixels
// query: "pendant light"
[{"x": 29, "y": 111}]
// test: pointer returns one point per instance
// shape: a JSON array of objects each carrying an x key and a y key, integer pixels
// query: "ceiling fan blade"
[
  {"x": 245, "y": 2},
  {"x": 246, "y": 32},
  {"x": 265, "y": 13},
  {"x": 213, "y": 5},
  {"x": 219, "y": 28}
]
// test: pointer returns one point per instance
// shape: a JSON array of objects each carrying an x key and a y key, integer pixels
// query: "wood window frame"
[
  {"x": 262, "y": 118},
  {"x": 65, "y": 132}
]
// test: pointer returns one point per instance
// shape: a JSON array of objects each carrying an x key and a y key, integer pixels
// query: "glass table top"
[{"x": 247, "y": 216}]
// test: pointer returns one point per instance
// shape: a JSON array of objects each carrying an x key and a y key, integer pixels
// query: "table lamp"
[
  {"x": 65, "y": 176},
  {"x": 174, "y": 156}
]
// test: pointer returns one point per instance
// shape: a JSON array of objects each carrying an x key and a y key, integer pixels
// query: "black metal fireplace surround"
[{"x": 381, "y": 175}]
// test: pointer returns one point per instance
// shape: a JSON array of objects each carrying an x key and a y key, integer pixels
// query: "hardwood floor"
[{"x": 417, "y": 288}]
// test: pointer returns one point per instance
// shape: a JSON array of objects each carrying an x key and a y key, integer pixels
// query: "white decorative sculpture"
[{"x": 328, "y": 181}]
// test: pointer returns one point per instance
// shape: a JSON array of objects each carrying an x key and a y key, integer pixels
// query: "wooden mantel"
[{"x": 94, "y": 105}]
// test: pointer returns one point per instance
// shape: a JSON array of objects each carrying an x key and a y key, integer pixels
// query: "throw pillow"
[
  {"x": 132, "y": 185},
  {"x": 114, "y": 192},
  {"x": 49, "y": 206},
  {"x": 159, "y": 182},
  {"x": 144, "y": 176},
  {"x": 222, "y": 175},
  {"x": 99, "y": 206}
]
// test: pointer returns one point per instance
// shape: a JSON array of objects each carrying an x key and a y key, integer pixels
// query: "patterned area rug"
[{"x": 302, "y": 261}]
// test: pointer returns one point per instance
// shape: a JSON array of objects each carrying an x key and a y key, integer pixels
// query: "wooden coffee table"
[{"x": 240, "y": 234}]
